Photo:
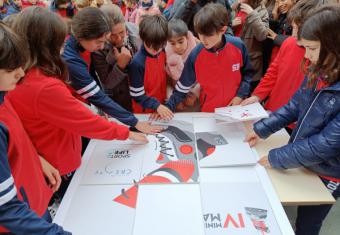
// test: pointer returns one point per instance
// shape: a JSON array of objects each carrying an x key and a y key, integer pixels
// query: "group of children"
[{"x": 47, "y": 70}]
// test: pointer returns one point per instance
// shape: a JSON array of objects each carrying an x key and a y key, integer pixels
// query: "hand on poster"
[
  {"x": 252, "y": 138},
  {"x": 138, "y": 137},
  {"x": 51, "y": 174},
  {"x": 165, "y": 112},
  {"x": 251, "y": 100},
  {"x": 235, "y": 101},
  {"x": 264, "y": 162},
  {"x": 154, "y": 117},
  {"x": 147, "y": 128}
]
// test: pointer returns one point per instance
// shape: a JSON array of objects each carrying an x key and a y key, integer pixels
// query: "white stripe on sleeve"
[
  {"x": 91, "y": 93},
  {"x": 88, "y": 87}
]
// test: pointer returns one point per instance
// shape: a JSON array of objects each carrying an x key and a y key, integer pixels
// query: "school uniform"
[
  {"x": 147, "y": 76},
  {"x": 55, "y": 120},
  {"x": 24, "y": 193},
  {"x": 222, "y": 75}
]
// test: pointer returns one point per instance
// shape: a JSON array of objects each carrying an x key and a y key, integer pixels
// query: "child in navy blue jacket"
[
  {"x": 147, "y": 72},
  {"x": 220, "y": 64},
  {"x": 24, "y": 193},
  {"x": 315, "y": 142},
  {"x": 90, "y": 29}
]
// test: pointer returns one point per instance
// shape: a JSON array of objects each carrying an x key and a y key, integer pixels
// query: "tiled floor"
[{"x": 331, "y": 225}]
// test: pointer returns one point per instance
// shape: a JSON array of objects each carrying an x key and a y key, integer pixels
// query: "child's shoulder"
[{"x": 236, "y": 41}]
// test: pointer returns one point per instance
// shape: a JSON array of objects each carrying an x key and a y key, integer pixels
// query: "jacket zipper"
[{"x": 306, "y": 116}]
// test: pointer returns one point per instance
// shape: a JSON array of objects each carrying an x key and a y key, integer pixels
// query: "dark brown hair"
[
  {"x": 255, "y": 3},
  {"x": 177, "y": 28},
  {"x": 12, "y": 50},
  {"x": 211, "y": 19},
  {"x": 323, "y": 26},
  {"x": 90, "y": 23},
  {"x": 153, "y": 30},
  {"x": 44, "y": 33},
  {"x": 301, "y": 10}
]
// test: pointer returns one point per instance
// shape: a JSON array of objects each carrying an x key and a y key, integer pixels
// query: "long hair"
[
  {"x": 13, "y": 54},
  {"x": 323, "y": 26},
  {"x": 44, "y": 33}
]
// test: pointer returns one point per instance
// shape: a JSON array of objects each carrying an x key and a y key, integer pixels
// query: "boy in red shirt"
[
  {"x": 220, "y": 64},
  {"x": 147, "y": 72}
]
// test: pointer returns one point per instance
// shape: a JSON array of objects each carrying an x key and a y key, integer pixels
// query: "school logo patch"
[{"x": 235, "y": 67}]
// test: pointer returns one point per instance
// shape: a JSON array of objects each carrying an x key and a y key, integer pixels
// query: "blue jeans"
[{"x": 309, "y": 218}]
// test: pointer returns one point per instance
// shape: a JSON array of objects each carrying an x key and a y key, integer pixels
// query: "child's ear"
[{"x": 224, "y": 29}]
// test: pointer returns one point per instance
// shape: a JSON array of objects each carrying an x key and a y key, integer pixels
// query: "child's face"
[
  {"x": 152, "y": 51},
  {"x": 9, "y": 79},
  {"x": 118, "y": 35},
  {"x": 213, "y": 40},
  {"x": 179, "y": 44},
  {"x": 312, "y": 50},
  {"x": 95, "y": 44},
  {"x": 285, "y": 5}
]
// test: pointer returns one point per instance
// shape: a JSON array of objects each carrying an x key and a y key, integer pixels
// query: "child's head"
[
  {"x": 12, "y": 58},
  {"x": 285, "y": 5},
  {"x": 178, "y": 36},
  {"x": 118, "y": 32},
  {"x": 10, "y": 19},
  {"x": 33, "y": 2},
  {"x": 320, "y": 35},
  {"x": 253, "y": 3},
  {"x": 153, "y": 30},
  {"x": 81, "y": 4},
  {"x": 210, "y": 23},
  {"x": 91, "y": 28},
  {"x": 44, "y": 33},
  {"x": 300, "y": 11}
]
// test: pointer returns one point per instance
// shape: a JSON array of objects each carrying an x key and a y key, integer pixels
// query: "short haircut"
[
  {"x": 153, "y": 30},
  {"x": 177, "y": 28},
  {"x": 113, "y": 12},
  {"x": 90, "y": 23},
  {"x": 12, "y": 50},
  {"x": 302, "y": 9},
  {"x": 211, "y": 19}
]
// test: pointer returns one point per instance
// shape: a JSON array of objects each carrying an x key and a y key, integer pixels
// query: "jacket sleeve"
[
  {"x": 268, "y": 81},
  {"x": 280, "y": 38},
  {"x": 184, "y": 84},
  {"x": 259, "y": 24},
  {"x": 110, "y": 75},
  {"x": 280, "y": 118},
  {"x": 69, "y": 114},
  {"x": 312, "y": 150},
  {"x": 85, "y": 86},
  {"x": 15, "y": 215},
  {"x": 137, "y": 92},
  {"x": 185, "y": 11},
  {"x": 247, "y": 72}
]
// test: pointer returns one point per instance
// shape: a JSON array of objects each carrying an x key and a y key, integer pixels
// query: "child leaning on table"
[
  {"x": 315, "y": 142},
  {"x": 24, "y": 193}
]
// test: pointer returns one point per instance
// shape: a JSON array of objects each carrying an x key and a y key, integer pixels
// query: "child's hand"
[
  {"x": 51, "y": 174},
  {"x": 154, "y": 117},
  {"x": 252, "y": 138},
  {"x": 165, "y": 112},
  {"x": 264, "y": 162},
  {"x": 138, "y": 137},
  {"x": 235, "y": 101},
  {"x": 236, "y": 22},
  {"x": 275, "y": 11},
  {"x": 246, "y": 8},
  {"x": 251, "y": 100},
  {"x": 147, "y": 128},
  {"x": 123, "y": 57},
  {"x": 271, "y": 34}
]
